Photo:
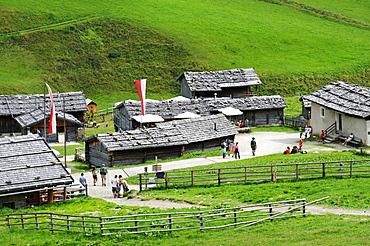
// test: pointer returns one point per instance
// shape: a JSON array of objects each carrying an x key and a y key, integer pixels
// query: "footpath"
[{"x": 267, "y": 143}]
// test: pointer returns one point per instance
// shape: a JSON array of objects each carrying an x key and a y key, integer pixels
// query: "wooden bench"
[{"x": 355, "y": 140}]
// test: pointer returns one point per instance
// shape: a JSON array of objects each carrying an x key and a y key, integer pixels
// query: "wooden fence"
[
  {"x": 159, "y": 222},
  {"x": 295, "y": 122},
  {"x": 218, "y": 176}
]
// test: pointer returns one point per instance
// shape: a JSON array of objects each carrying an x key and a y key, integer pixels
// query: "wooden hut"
[
  {"x": 30, "y": 172},
  {"x": 226, "y": 83},
  {"x": 34, "y": 122},
  {"x": 166, "y": 140},
  {"x": 12, "y": 106},
  {"x": 260, "y": 111},
  {"x": 92, "y": 107}
]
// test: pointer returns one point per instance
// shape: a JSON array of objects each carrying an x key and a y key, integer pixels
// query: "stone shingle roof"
[
  {"x": 21, "y": 104},
  {"x": 342, "y": 97},
  {"x": 168, "y": 109},
  {"x": 27, "y": 163},
  {"x": 216, "y": 80},
  {"x": 177, "y": 132},
  {"x": 37, "y": 116}
]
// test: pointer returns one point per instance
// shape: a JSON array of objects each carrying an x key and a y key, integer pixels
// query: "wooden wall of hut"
[
  {"x": 265, "y": 117},
  {"x": 9, "y": 125}
]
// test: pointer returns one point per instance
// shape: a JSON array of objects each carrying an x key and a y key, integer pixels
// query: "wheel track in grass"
[{"x": 47, "y": 27}]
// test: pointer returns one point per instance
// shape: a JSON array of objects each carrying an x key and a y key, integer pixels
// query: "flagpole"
[
  {"x": 44, "y": 134},
  {"x": 65, "y": 132}
]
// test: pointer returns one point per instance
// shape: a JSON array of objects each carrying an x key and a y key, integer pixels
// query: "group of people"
[
  {"x": 305, "y": 132},
  {"x": 229, "y": 148},
  {"x": 295, "y": 149},
  {"x": 240, "y": 123},
  {"x": 118, "y": 183}
]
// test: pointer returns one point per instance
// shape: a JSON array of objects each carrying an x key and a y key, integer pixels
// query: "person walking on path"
[
  {"x": 114, "y": 183},
  {"x": 236, "y": 151},
  {"x": 103, "y": 174},
  {"x": 95, "y": 175},
  {"x": 253, "y": 146},
  {"x": 322, "y": 136},
  {"x": 83, "y": 180},
  {"x": 223, "y": 148}
]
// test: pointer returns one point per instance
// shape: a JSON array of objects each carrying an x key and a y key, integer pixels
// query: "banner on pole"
[
  {"x": 52, "y": 118},
  {"x": 141, "y": 88}
]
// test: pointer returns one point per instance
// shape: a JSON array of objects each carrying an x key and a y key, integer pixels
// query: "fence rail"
[
  {"x": 218, "y": 176},
  {"x": 159, "y": 222}
]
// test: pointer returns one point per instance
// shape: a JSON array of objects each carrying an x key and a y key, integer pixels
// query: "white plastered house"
[{"x": 343, "y": 106}]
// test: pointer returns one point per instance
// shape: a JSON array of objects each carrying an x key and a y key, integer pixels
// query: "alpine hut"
[
  {"x": 166, "y": 140},
  {"x": 226, "y": 83},
  {"x": 20, "y": 112},
  {"x": 341, "y": 108},
  {"x": 30, "y": 172},
  {"x": 260, "y": 111}
]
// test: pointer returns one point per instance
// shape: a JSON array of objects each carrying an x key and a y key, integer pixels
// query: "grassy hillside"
[{"x": 101, "y": 47}]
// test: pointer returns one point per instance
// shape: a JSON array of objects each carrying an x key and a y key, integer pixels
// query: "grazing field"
[{"x": 102, "y": 47}]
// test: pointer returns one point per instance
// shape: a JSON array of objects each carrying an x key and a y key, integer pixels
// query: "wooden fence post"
[
  {"x": 170, "y": 221},
  {"x": 296, "y": 172},
  {"x": 101, "y": 226},
  {"x": 270, "y": 211},
  {"x": 219, "y": 176},
  {"x": 166, "y": 179},
  {"x": 141, "y": 182},
  {"x": 37, "y": 221},
  {"x": 350, "y": 169},
  {"x": 235, "y": 218},
  {"x": 323, "y": 170},
  {"x": 84, "y": 223},
  {"x": 201, "y": 221},
  {"x": 245, "y": 174},
  {"x": 272, "y": 173},
  {"x": 22, "y": 221},
  {"x": 136, "y": 223},
  {"x": 304, "y": 208},
  {"x": 52, "y": 223},
  {"x": 68, "y": 223},
  {"x": 192, "y": 178}
]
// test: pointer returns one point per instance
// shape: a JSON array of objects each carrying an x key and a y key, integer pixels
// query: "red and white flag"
[
  {"x": 52, "y": 119},
  {"x": 141, "y": 88}
]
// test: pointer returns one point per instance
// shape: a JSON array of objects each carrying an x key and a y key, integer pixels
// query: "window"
[{"x": 322, "y": 112}]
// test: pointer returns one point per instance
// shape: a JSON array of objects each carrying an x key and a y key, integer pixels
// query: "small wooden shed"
[
  {"x": 166, "y": 140},
  {"x": 30, "y": 172},
  {"x": 226, "y": 83},
  {"x": 92, "y": 107}
]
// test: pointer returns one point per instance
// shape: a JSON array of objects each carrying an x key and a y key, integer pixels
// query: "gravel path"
[{"x": 267, "y": 143}]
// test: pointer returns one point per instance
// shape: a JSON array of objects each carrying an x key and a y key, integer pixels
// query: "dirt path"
[{"x": 268, "y": 143}]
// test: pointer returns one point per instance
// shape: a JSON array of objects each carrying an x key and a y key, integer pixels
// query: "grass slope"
[{"x": 294, "y": 50}]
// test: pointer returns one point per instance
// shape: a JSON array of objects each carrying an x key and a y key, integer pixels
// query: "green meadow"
[{"x": 102, "y": 47}]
